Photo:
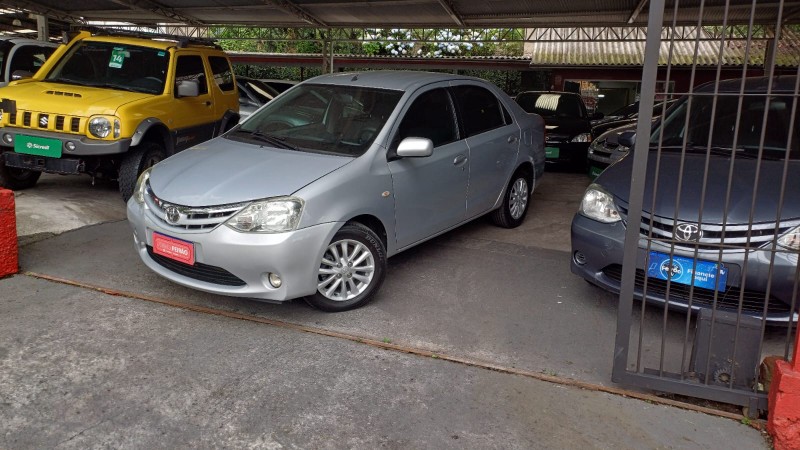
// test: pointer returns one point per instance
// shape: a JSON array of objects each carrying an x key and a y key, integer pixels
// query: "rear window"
[{"x": 548, "y": 104}]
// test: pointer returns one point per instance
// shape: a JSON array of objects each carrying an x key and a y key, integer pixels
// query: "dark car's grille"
[
  {"x": 198, "y": 271},
  {"x": 189, "y": 218},
  {"x": 735, "y": 236},
  {"x": 753, "y": 301}
]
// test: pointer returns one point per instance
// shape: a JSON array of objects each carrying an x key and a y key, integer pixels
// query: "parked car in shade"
[
  {"x": 730, "y": 241},
  {"x": 278, "y": 85},
  {"x": 22, "y": 57},
  {"x": 314, "y": 209},
  {"x": 606, "y": 150},
  {"x": 625, "y": 116},
  {"x": 568, "y": 131},
  {"x": 253, "y": 94}
]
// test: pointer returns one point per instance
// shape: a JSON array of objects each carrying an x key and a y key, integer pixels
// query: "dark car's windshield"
[
  {"x": 114, "y": 66},
  {"x": 551, "y": 104},
  {"x": 696, "y": 131},
  {"x": 324, "y": 118}
]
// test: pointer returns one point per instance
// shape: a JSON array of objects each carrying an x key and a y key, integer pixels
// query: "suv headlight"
[
  {"x": 141, "y": 183},
  {"x": 100, "y": 127},
  {"x": 275, "y": 215},
  {"x": 599, "y": 205},
  {"x": 790, "y": 240},
  {"x": 583, "y": 137}
]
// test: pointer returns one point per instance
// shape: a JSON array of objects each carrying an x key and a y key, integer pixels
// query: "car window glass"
[
  {"x": 190, "y": 67},
  {"x": 30, "y": 58},
  {"x": 221, "y": 70},
  {"x": 551, "y": 104},
  {"x": 431, "y": 116},
  {"x": 480, "y": 109}
]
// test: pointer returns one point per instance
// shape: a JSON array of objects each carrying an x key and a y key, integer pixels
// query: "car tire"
[
  {"x": 17, "y": 179},
  {"x": 516, "y": 200},
  {"x": 139, "y": 158},
  {"x": 351, "y": 271}
]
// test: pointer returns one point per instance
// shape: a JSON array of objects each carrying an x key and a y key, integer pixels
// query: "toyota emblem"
[
  {"x": 689, "y": 232},
  {"x": 173, "y": 215}
]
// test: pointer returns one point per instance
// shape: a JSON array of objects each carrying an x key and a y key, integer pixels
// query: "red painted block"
[
  {"x": 784, "y": 407},
  {"x": 9, "y": 264}
]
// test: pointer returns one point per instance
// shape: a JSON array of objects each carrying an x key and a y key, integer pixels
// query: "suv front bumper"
[{"x": 83, "y": 145}]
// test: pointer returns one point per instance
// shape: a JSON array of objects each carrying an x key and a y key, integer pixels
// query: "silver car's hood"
[{"x": 223, "y": 171}]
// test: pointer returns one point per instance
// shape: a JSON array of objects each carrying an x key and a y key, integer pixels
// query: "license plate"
[
  {"x": 39, "y": 146},
  {"x": 551, "y": 152},
  {"x": 703, "y": 274},
  {"x": 594, "y": 172},
  {"x": 172, "y": 248}
]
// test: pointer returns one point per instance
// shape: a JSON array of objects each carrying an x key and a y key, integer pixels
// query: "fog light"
[
  {"x": 70, "y": 146},
  {"x": 274, "y": 280},
  {"x": 7, "y": 138},
  {"x": 579, "y": 258}
]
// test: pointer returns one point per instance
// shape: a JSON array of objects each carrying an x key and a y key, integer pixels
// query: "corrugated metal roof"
[{"x": 686, "y": 52}]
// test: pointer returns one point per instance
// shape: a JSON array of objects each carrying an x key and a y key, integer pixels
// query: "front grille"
[
  {"x": 198, "y": 271},
  {"x": 189, "y": 218},
  {"x": 31, "y": 119},
  {"x": 752, "y": 302},
  {"x": 735, "y": 235}
]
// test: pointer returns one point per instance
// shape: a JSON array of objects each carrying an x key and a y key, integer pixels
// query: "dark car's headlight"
[
  {"x": 274, "y": 215},
  {"x": 790, "y": 240},
  {"x": 599, "y": 205},
  {"x": 583, "y": 137}
]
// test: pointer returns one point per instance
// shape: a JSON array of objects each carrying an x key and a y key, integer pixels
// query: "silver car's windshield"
[
  {"x": 322, "y": 118},
  {"x": 114, "y": 66},
  {"x": 780, "y": 138}
]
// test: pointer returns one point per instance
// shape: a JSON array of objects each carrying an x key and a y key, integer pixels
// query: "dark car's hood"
[
  {"x": 222, "y": 171},
  {"x": 616, "y": 179},
  {"x": 566, "y": 126}
]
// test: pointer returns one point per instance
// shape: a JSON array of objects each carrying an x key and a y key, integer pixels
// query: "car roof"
[
  {"x": 24, "y": 40},
  {"x": 752, "y": 85},
  {"x": 388, "y": 79},
  {"x": 549, "y": 92}
]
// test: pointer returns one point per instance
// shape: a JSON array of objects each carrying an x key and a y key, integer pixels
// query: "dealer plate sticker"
[
  {"x": 177, "y": 249},
  {"x": 39, "y": 146},
  {"x": 595, "y": 172},
  {"x": 679, "y": 269},
  {"x": 551, "y": 152}
]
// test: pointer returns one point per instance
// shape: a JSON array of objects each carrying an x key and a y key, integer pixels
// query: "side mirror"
[
  {"x": 20, "y": 74},
  {"x": 187, "y": 88},
  {"x": 597, "y": 115},
  {"x": 627, "y": 139},
  {"x": 415, "y": 147}
]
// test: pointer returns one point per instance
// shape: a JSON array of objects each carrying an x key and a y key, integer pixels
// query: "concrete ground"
[{"x": 158, "y": 365}]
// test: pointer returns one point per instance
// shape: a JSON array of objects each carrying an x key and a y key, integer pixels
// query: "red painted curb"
[
  {"x": 784, "y": 407},
  {"x": 9, "y": 263}
]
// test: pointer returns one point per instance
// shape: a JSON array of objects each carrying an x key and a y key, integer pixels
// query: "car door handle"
[
  {"x": 460, "y": 160},
  {"x": 512, "y": 139}
]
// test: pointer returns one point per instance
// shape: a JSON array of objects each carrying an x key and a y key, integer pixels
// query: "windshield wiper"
[
  {"x": 65, "y": 81},
  {"x": 116, "y": 86},
  {"x": 269, "y": 139}
]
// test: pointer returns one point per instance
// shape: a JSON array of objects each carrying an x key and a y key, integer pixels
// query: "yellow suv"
[{"x": 111, "y": 105}]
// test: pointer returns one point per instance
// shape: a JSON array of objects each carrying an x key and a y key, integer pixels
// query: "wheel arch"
[
  {"x": 153, "y": 129},
  {"x": 374, "y": 224}
]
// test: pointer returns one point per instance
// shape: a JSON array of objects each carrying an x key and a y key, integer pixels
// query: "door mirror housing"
[
  {"x": 627, "y": 139},
  {"x": 415, "y": 147},
  {"x": 187, "y": 88}
]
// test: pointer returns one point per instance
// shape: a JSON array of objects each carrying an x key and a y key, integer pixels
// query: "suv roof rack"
[{"x": 183, "y": 41}]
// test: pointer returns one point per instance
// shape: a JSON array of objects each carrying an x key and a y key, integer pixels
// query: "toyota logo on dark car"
[{"x": 688, "y": 232}]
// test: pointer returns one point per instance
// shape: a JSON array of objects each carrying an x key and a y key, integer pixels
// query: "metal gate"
[{"x": 712, "y": 237}]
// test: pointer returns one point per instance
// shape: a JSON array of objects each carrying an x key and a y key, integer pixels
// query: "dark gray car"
[{"x": 736, "y": 245}]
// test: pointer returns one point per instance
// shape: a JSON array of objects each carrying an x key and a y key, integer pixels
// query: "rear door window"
[{"x": 479, "y": 108}]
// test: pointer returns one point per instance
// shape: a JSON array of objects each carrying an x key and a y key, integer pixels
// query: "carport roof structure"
[{"x": 398, "y": 13}]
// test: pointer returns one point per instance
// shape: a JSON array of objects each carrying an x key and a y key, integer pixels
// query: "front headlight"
[
  {"x": 275, "y": 215},
  {"x": 141, "y": 183},
  {"x": 583, "y": 137},
  {"x": 599, "y": 205},
  {"x": 790, "y": 240},
  {"x": 99, "y": 127}
]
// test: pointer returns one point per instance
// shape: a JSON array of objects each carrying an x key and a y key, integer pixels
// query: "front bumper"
[
  {"x": 237, "y": 264},
  {"x": 566, "y": 151},
  {"x": 83, "y": 145},
  {"x": 597, "y": 251}
]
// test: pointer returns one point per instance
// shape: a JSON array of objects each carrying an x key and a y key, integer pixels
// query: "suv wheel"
[
  {"x": 16, "y": 179},
  {"x": 143, "y": 156}
]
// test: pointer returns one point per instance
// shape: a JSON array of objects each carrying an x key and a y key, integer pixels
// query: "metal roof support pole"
[
  {"x": 641, "y": 149},
  {"x": 769, "y": 53},
  {"x": 43, "y": 28}
]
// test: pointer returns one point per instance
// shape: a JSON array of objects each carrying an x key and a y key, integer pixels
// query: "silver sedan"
[{"x": 311, "y": 195}]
